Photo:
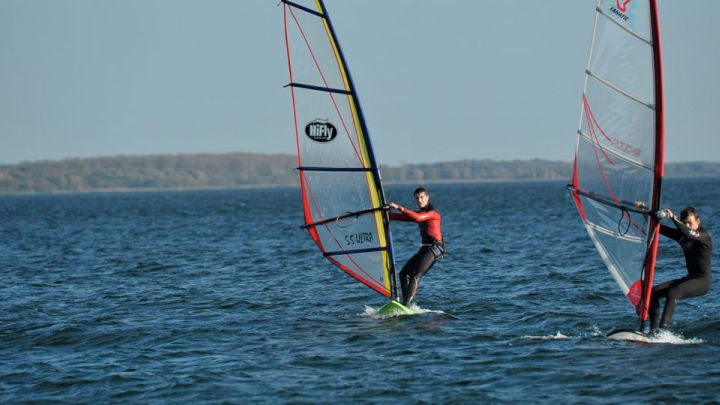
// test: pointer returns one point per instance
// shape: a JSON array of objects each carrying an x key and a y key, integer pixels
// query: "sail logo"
[
  {"x": 359, "y": 238},
  {"x": 621, "y": 9},
  {"x": 622, "y": 5},
  {"x": 627, "y": 148},
  {"x": 320, "y": 131}
]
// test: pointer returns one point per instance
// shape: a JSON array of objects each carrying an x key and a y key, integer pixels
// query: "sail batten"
[
  {"x": 334, "y": 169},
  {"x": 619, "y": 90},
  {"x": 614, "y": 234},
  {"x": 318, "y": 88},
  {"x": 306, "y": 9},
  {"x": 341, "y": 190},
  {"x": 619, "y": 154},
  {"x": 349, "y": 252}
]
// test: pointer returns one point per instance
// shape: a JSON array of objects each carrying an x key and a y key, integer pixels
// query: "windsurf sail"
[
  {"x": 618, "y": 167},
  {"x": 342, "y": 194}
]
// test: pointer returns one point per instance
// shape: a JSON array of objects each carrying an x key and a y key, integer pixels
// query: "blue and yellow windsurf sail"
[{"x": 342, "y": 193}]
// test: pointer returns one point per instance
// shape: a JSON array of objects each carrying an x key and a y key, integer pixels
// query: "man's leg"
[
  {"x": 425, "y": 260},
  {"x": 659, "y": 291},
  {"x": 680, "y": 289}
]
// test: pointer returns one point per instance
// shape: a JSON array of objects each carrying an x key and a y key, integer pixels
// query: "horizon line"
[{"x": 292, "y": 155}]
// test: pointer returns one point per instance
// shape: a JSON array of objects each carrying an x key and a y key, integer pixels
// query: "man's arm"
[
  {"x": 416, "y": 216},
  {"x": 689, "y": 233},
  {"x": 671, "y": 233},
  {"x": 394, "y": 216}
]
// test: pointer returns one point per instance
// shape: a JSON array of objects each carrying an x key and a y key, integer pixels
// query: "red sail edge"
[{"x": 576, "y": 186}]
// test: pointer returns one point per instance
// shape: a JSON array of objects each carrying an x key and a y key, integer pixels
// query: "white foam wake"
[
  {"x": 416, "y": 310},
  {"x": 547, "y": 337},
  {"x": 670, "y": 338}
]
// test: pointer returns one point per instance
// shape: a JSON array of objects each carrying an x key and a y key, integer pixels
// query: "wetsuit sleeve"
[
  {"x": 419, "y": 216},
  {"x": 685, "y": 232},
  {"x": 671, "y": 233},
  {"x": 400, "y": 217}
]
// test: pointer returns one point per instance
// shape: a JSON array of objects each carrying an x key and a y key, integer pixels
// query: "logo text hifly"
[{"x": 320, "y": 131}]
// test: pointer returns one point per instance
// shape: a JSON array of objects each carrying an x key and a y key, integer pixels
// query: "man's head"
[
  {"x": 690, "y": 217},
  {"x": 422, "y": 198}
]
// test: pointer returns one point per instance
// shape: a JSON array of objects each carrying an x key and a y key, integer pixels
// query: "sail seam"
[{"x": 626, "y": 29}]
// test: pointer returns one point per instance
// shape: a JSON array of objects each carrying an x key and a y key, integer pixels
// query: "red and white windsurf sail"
[
  {"x": 342, "y": 194},
  {"x": 619, "y": 156}
]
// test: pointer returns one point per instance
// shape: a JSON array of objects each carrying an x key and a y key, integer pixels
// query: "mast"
[{"x": 659, "y": 160}]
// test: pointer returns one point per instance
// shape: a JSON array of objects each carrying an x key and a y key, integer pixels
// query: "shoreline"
[{"x": 296, "y": 185}]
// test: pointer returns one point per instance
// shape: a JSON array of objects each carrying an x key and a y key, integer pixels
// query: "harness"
[{"x": 437, "y": 247}]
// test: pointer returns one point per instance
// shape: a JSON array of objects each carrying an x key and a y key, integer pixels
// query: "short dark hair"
[
  {"x": 420, "y": 190},
  {"x": 687, "y": 211}
]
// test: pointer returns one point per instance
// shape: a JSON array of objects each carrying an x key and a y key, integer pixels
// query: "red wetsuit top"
[{"x": 428, "y": 221}]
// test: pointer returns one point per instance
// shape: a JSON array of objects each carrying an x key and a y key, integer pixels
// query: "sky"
[{"x": 437, "y": 80}]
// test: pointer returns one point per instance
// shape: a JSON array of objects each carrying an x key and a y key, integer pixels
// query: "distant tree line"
[
  {"x": 250, "y": 169},
  {"x": 470, "y": 170},
  {"x": 149, "y": 172}
]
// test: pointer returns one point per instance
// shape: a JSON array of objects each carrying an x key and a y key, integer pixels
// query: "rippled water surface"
[{"x": 218, "y": 296}]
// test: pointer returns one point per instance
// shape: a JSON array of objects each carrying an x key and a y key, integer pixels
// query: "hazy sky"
[{"x": 438, "y": 80}]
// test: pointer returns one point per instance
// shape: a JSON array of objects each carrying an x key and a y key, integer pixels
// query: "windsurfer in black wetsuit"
[
  {"x": 696, "y": 244},
  {"x": 432, "y": 247}
]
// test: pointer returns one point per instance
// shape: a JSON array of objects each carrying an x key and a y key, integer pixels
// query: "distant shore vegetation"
[{"x": 252, "y": 169}]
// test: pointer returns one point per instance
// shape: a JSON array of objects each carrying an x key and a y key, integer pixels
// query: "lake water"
[{"x": 217, "y": 296}]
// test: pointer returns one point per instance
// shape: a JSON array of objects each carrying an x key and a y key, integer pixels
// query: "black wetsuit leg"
[
  {"x": 673, "y": 291},
  {"x": 413, "y": 271}
]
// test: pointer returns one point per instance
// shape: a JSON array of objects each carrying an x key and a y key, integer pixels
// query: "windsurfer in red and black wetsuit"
[
  {"x": 696, "y": 244},
  {"x": 432, "y": 247}
]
